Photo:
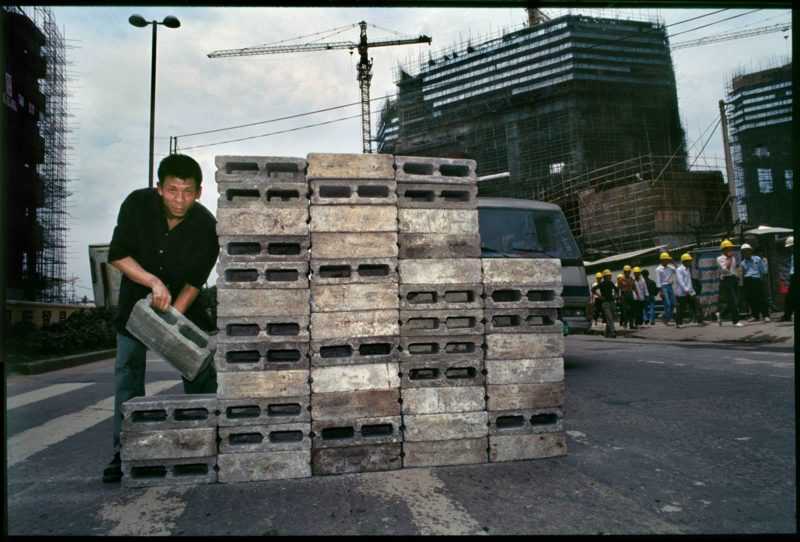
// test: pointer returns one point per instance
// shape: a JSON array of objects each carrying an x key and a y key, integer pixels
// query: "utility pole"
[{"x": 729, "y": 167}]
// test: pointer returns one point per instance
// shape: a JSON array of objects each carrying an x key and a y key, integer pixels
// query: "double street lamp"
[{"x": 170, "y": 22}]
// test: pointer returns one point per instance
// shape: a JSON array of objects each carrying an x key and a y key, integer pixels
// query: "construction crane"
[
  {"x": 364, "y": 65},
  {"x": 724, "y": 36}
]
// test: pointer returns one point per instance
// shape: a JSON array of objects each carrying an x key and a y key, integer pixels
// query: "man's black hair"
[
  {"x": 646, "y": 273},
  {"x": 180, "y": 166}
]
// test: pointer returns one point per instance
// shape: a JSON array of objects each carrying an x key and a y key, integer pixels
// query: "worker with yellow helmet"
[
  {"x": 684, "y": 289},
  {"x": 729, "y": 282},
  {"x": 639, "y": 296},
  {"x": 626, "y": 284},
  {"x": 607, "y": 292},
  {"x": 665, "y": 279}
]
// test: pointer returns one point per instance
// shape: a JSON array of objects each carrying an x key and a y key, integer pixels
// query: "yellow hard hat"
[
  {"x": 626, "y": 268},
  {"x": 619, "y": 276},
  {"x": 725, "y": 244},
  {"x": 598, "y": 275},
  {"x": 665, "y": 256},
  {"x": 686, "y": 257},
  {"x": 637, "y": 270},
  {"x": 606, "y": 272}
]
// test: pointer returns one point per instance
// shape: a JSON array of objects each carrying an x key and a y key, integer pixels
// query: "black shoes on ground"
[{"x": 113, "y": 471}]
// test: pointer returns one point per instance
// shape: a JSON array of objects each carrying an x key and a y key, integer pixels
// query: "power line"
[{"x": 715, "y": 22}]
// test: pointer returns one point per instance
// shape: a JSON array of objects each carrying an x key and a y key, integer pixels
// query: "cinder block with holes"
[
  {"x": 344, "y": 324},
  {"x": 355, "y": 404},
  {"x": 531, "y": 271},
  {"x": 262, "y": 356},
  {"x": 264, "y": 411},
  {"x": 347, "y": 431},
  {"x": 436, "y": 170},
  {"x": 354, "y": 351},
  {"x": 435, "y": 348},
  {"x": 437, "y": 196},
  {"x": 169, "y": 471},
  {"x": 435, "y": 453},
  {"x": 354, "y": 297},
  {"x": 264, "y": 438},
  {"x": 347, "y": 378},
  {"x": 526, "y": 421},
  {"x": 524, "y": 371},
  {"x": 352, "y": 459},
  {"x": 441, "y": 323},
  {"x": 350, "y": 166},
  {"x": 524, "y": 345},
  {"x": 437, "y": 221},
  {"x": 262, "y": 466},
  {"x": 436, "y": 245},
  {"x": 274, "y": 329},
  {"x": 262, "y": 195},
  {"x": 440, "y": 373},
  {"x": 147, "y": 413},
  {"x": 264, "y": 248},
  {"x": 262, "y": 384},
  {"x": 231, "y": 169},
  {"x": 443, "y": 400},
  {"x": 168, "y": 443},
  {"x": 518, "y": 447},
  {"x": 341, "y": 245},
  {"x": 280, "y": 221},
  {"x": 261, "y": 275},
  {"x": 354, "y": 270},
  {"x": 537, "y": 320},
  {"x": 524, "y": 396},
  {"x": 521, "y": 296},
  {"x": 426, "y": 297},
  {"x": 353, "y": 192},
  {"x": 440, "y": 271},
  {"x": 237, "y": 303},
  {"x": 353, "y": 218},
  {"x": 450, "y": 426}
]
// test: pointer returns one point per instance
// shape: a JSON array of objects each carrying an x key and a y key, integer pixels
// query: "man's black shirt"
[
  {"x": 606, "y": 288},
  {"x": 184, "y": 255}
]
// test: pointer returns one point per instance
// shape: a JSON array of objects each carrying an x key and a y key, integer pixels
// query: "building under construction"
[
  {"x": 35, "y": 148},
  {"x": 580, "y": 111}
]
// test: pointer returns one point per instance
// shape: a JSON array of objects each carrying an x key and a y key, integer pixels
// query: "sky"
[{"x": 110, "y": 61}]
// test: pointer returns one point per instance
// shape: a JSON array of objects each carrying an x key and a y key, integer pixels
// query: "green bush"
[{"x": 82, "y": 331}]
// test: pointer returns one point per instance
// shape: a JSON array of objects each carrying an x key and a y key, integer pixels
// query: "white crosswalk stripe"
[{"x": 45, "y": 393}]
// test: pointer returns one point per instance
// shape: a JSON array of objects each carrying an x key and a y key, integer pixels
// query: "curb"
[{"x": 54, "y": 364}]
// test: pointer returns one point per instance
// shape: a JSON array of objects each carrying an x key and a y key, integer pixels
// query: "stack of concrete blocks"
[
  {"x": 169, "y": 440},
  {"x": 262, "y": 356},
  {"x": 441, "y": 313},
  {"x": 524, "y": 358},
  {"x": 355, "y": 409}
]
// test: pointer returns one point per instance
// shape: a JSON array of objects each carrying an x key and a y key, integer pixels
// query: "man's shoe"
[
  {"x": 738, "y": 324},
  {"x": 751, "y": 319},
  {"x": 113, "y": 471},
  {"x": 767, "y": 319}
]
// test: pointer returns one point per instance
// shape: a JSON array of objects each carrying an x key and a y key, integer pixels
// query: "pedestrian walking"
[
  {"x": 640, "y": 295},
  {"x": 753, "y": 271},
  {"x": 686, "y": 294},
  {"x": 607, "y": 292},
  {"x": 665, "y": 279},
  {"x": 790, "y": 301},
  {"x": 598, "y": 311},
  {"x": 618, "y": 304},
  {"x": 626, "y": 285},
  {"x": 729, "y": 282},
  {"x": 649, "y": 311}
]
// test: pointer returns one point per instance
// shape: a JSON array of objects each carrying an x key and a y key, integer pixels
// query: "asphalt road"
[{"x": 662, "y": 438}]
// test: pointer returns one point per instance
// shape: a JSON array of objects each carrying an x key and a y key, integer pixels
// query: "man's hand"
[{"x": 161, "y": 296}]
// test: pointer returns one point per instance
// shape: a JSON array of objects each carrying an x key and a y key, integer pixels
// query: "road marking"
[
  {"x": 432, "y": 512},
  {"x": 153, "y": 512},
  {"x": 45, "y": 393},
  {"x": 656, "y": 362},
  {"x": 20, "y": 447}
]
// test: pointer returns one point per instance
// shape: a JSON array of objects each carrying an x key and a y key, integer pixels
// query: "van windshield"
[{"x": 526, "y": 233}]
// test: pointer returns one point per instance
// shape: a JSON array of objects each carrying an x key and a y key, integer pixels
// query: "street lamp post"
[{"x": 170, "y": 22}]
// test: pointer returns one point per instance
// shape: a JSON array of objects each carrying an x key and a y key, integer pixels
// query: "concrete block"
[
  {"x": 355, "y": 270},
  {"x": 262, "y": 275},
  {"x": 276, "y": 221},
  {"x": 524, "y": 345},
  {"x": 264, "y": 438},
  {"x": 437, "y": 196},
  {"x": 524, "y": 371},
  {"x": 340, "y": 245},
  {"x": 352, "y": 459},
  {"x": 441, "y": 453},
  {"x": 353, "y": 297},
  {"x": 237, "y": 303},
  {"x": 439, "y": 245},
  {"x": 354, "y": 351},
  {"x": 373, "y": 376},
  {"x": 344, "y": 324},
  {"x": 168, "y": 443},
  {"x": 435, "y": 170},
  {"x": 355, "y": 404},
  {"x": 353, "y": 218},
  {"x": 346, "y": 431},
  {"x": 158, "y": 412},
  {"x": 433, "y": 348},
  {"x": 264, "y": 411},
  {"x": 169, "y": 472},
  {"x": 350, "y": 166},
  {"x": 437, "y": 221},
  {"x": 536, "y": 320},
  {"x": 524, "y": 396},
  {"x": 443, "y": 400},
  {"x": 264, "y": 328},
  {"x": 262, "y": 384},
  {"x": 440, "y": 271},
  {"x": 518, "y": 447},
  {"x": 262, "y": 466},
  {"x": 425, "y": 297},
  {"x": 262, "y": 195},
  {"x": 530, "y": 271},
  {"x": 441, "y": 373},
  {"x": 173, "y": 336},
  {"x": 452, "y": 426},
  {"x": 441, "y": 323},
  {"x": 262, "y": 168},
  {"x": 353, "y": 192},
  {"x": 261, "y": 356},
  {"x": 508, "y": 296},
  {"x": 526, "y": 421},
  {"x": 264, "y": 248}
]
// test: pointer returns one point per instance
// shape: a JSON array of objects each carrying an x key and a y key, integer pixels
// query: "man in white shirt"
[
  {"x": 639, "y": 295},
  {"x": 729, "y": 282},
  {"x": 665, "y": 278},
  {"x": 687, "y": 297}
]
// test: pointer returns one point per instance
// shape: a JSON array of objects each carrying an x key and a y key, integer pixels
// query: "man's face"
[
  {"x": 727, "y": 251},
  {"x": 747, "y": 253},
  {"x": 178, "y": 195},
  {"x": 637, "y": 275}
]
